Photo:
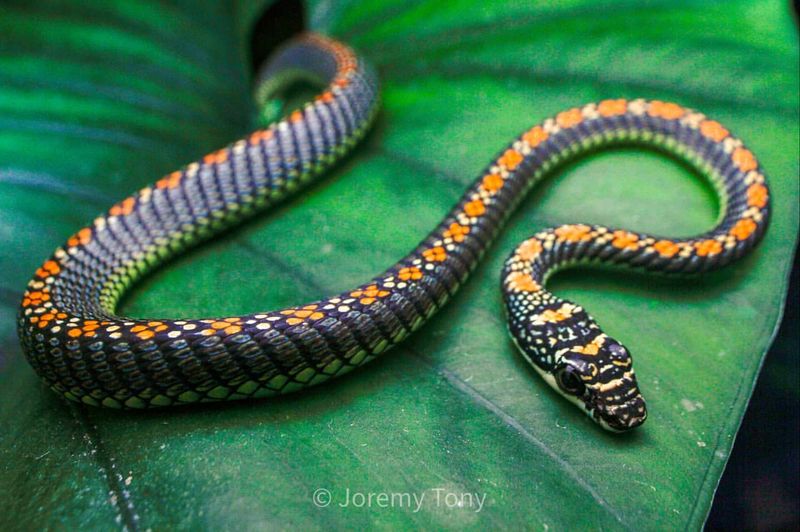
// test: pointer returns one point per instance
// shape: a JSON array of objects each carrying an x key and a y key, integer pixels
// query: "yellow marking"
[
  {"x": 591, "y": 348},
  {"x": 610, "y": 385}
]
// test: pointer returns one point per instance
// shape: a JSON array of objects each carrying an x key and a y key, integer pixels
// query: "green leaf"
[{"x": 98, "y": 98}]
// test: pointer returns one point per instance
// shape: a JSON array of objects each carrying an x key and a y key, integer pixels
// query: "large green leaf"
[{"x": 98, "y": 98}]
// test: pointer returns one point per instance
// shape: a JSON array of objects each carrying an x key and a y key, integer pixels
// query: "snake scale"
[{"x": 85, "y": 352}]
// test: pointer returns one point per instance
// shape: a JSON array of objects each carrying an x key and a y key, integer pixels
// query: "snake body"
[{"x": 85, "y": 352}]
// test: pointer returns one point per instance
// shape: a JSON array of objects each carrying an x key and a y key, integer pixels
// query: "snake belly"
[{"x": 85, "y": 352}]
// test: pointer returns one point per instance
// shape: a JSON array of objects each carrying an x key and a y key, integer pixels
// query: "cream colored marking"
[{"x": 610, "y": 385}]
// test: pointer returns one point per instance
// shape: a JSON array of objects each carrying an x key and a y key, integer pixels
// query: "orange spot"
[
  {"x": 49, "y": 268},
  {"x": 138, "y": 328},
  {"x": 219, "y": 156},
  {"x": 316, "y": 316},
  {"x": 624, "y": 240},
  {"x": 757, "y": 196},
  {"x": 456, "y": 232},
  {"x": 219, "y": 325},
  {"x": 260, "y": 136},
  {"x": 326, "y": 97},
  {"x": 612, "y": 107},
  {"x": 294, "y": 321},
  {"x": 744, "y": 159},
  {"x": 367, "y": 300},
  {"x": 237, "y": 320},
  {"x": 35, "y": 298},
  {"x": 707, "y": 247},
  {"x": 529, "y": 249},
  {"x": 743, "y": 229},
  {"x": 303, "y": 313},
  {"x": 553, "y": 316},
  {"x": 437, "y": 254},
  {"x": 146, "y": 335},
  {"x": 666, "y": 248},
  {"x": 412, "y": 273},
  {"x": 371, "y": 291},
  {"x": 510, "y": 159},
  {"x": 535, "y": 136},
  {"x": 170, "y": 181},
  {"x": 588, "y": 349},
  {"x": 666, "y": 110},
  {"x": 74, "y": 333},
  {"x": 45, "y": 320},
  {"x": 232, "y": 329},
  {"x": 84, "y": 236},
  {"x": 123, "y": 208},
  {"x": 574, "y": 233},
  {"x": 713, "y": 130},
  {"x": 522, "y": 282},
  {"x": 492, "y": 182},
  {"x": 570, "y": 118},
  {"x": 341, "y": 82},
  {"x": 474, "y": 208},
  {"x": 296, "y": 116}
]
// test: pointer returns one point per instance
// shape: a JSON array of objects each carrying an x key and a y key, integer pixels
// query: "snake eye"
[{"x": 570, "y": 382}]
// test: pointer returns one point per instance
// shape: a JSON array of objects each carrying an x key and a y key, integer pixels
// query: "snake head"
[
  {"x": 599, "y": 377},
  {"x": 570, "y": 351}
]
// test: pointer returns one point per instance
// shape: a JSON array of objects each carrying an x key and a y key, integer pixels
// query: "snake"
[{"x": 78, "y": 345}]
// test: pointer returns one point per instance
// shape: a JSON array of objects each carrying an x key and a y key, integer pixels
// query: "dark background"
[{"x": 759, "y": 489}]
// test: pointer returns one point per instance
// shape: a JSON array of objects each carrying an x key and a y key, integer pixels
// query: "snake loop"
[{"x": 85, "y": 352}]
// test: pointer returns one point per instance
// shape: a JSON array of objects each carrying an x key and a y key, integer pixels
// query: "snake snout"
[
  {"x": 622, "y": 416},
  {"x": 626, "y": 416}
]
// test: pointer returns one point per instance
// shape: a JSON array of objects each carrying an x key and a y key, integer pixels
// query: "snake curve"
[{"x": 85, "y": 352}]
